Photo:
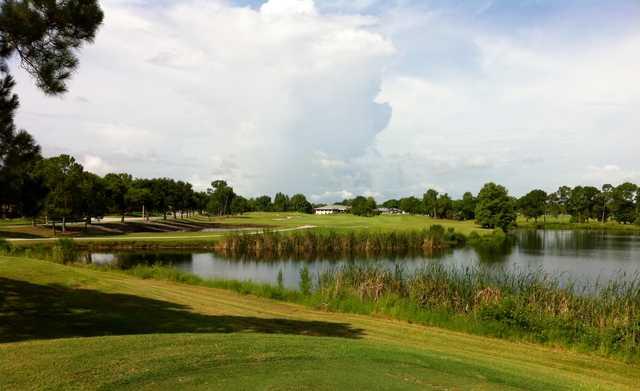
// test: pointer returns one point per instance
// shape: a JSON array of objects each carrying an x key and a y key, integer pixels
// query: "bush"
[
  {"x": 65, "y": 251},
  {"x": 5, "y": 246},
  {"x": 305, "y": 281}
]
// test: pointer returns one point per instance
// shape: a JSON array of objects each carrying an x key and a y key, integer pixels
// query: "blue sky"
[{"x": 336, "y": 98}]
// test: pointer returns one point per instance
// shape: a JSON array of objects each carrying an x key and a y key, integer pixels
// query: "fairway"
[
  {"x": 74, "y": 328},
  {"x": 249, "y": 222}
]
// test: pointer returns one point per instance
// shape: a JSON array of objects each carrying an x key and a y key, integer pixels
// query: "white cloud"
[
  {"x": 288, "y": 8},
  {"x": 209, "y": 90},
  {"x": 288, "y": 97},
  {"x": 96, "y": 165},
  {"x": 610, "y": 174}
]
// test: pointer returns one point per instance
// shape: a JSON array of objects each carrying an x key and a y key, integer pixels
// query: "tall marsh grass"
[
  {"x": 516, "y": 305},
  {"x": 331, "y": 244},
  {"x": 522, "y": 304}
]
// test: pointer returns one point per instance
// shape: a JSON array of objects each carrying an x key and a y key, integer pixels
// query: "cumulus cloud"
[
  {"x": 335, "y": 98},
  {"x": 208, "y": 90},
  {"x": 96, "y": 165},
  {"x": 611, "y": 174}
]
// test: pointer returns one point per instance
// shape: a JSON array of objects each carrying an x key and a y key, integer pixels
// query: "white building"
[
  {"x": 389, "y": 211},
  {"x": 332, "y": 209}
]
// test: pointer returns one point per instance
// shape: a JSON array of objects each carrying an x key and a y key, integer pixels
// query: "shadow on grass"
[
  {"x": 29, "y": 311},
  {"x": 11, "y": 234}
]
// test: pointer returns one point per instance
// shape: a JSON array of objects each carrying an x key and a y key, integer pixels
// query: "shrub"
[
  {"x": 5, "y": 246},
  {"x": 65, "y": 251},
  {"x": 305, "y": 281}
]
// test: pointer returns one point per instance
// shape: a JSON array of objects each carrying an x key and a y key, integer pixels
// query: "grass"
[
  {"x": 76, "y": 328},
  {"x": 520, "y": 306},
  {"x": 252, "y": 222},
  {"x": 328, "y": 243},
  {"x": 564, "y": 222}
]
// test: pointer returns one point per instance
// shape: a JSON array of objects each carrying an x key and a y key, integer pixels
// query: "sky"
[{"x": 337, "y": 98}]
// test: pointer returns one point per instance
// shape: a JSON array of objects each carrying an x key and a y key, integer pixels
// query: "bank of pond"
[{"x": 578, "y": 289}]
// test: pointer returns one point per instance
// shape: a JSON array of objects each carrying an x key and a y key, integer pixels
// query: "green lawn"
[
  {"x": 564, "y": 222},
  {"x": 65, "y": 327},
  {"x": 272, "y": 220}
]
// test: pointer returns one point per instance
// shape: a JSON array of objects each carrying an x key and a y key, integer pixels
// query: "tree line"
[{"x": 494, "y": 207}]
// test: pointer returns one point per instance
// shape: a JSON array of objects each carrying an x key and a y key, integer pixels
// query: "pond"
[{"x": 578, "y": 256}]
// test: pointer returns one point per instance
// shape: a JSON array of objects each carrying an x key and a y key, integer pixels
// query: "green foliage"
[
  {"x": 45, "y": 35},
  {"x": 363, "y": 206},
  {"x": 65, "y": 251},
  {"x": 623, "y": 206},
  {"x": 280, "y": 203},
  {"x": 5, "y": 247},
  {"x": 20, "y": 190},
  {"x": 533, "y": 204},
  {"x": 280, "y": 279},
  {"x": 220, "y": 198},
  {"x": 495, "y": 209},
  {"x": 310, "y": 244},
  {"x": 305, "y": 281},
  {"x": 299, "y": 203}
]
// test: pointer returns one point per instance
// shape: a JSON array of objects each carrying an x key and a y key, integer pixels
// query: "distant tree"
[
  {"x": 363, "y": 206},
  {"x": 602, "y": 203},
  {"x": 280, "y": 203},
  {"x": 239, "y": 205},
  {"x": 45, "y": 34},
  {"x": 412, "y": 205},
  {"x": 263, "y": 203},
  {"x": 93, "y": 200},
  {"x": 623, "y": 202},
  {"x": 391, "y": 204},
  {"x": 430, "y": 200},
  {"x": 139, "y": 197},
  {"x": 221, "y": 196},
  {"x": 495, "y": 208},
  {"x": 299, "y": 203},
  {"x": 467, "y": 207},
  {"x": 533, "y": 204},
  {"x": 558, "y": 201},
  {"x": 116, "y": 188},
  {"x": 444, "y": 207},
  {"x": 161, "y": 193},
  {"x": 63, "y": 177},
  {"x": 581, "y": 203}
]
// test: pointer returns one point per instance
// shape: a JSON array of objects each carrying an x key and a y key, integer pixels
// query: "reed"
[
  {"x": 310, "y": 244},
  {"x": 511, "y": 304},
  {"x": 528, "y": 305}
]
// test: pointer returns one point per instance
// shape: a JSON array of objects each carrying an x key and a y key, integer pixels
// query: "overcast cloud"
[{"x": 338, "y": 98}]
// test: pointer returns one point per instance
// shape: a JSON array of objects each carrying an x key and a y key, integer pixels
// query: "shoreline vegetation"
[
  {"x": 118, "y": 331},
  {"x": 510, "y": 304},
  {"x": 513, "y": 305},
  {"x": 309, "y": 244}
]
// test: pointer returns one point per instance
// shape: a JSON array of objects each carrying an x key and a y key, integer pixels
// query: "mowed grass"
[
  {"x": 271, "y": 221},
  {"x": 65, "y": 327}
]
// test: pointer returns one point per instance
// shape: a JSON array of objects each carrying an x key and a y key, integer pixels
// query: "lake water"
[{"x": 571, "y": 255}]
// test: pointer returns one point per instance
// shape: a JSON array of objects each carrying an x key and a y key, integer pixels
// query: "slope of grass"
[
  {"x": 564, "y": 222},
  {"x": 142, "y": 334},
  {"x": 263, "y": 220}
]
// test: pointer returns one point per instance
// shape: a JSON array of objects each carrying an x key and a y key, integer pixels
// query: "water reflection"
[{"x": 574, "y": 255}]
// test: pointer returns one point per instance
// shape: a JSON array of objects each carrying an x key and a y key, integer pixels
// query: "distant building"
[
  {"x": 389, "y": 211},
  {"x": 332, "y": 209}
]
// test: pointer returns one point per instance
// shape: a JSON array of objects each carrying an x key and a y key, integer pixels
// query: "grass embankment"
[
  {"x": 520, "y": 306},
  {"x": 163, "y": 335},
  {"x": 565, "y": 222},
  {"x": 192, "y": 237}
]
